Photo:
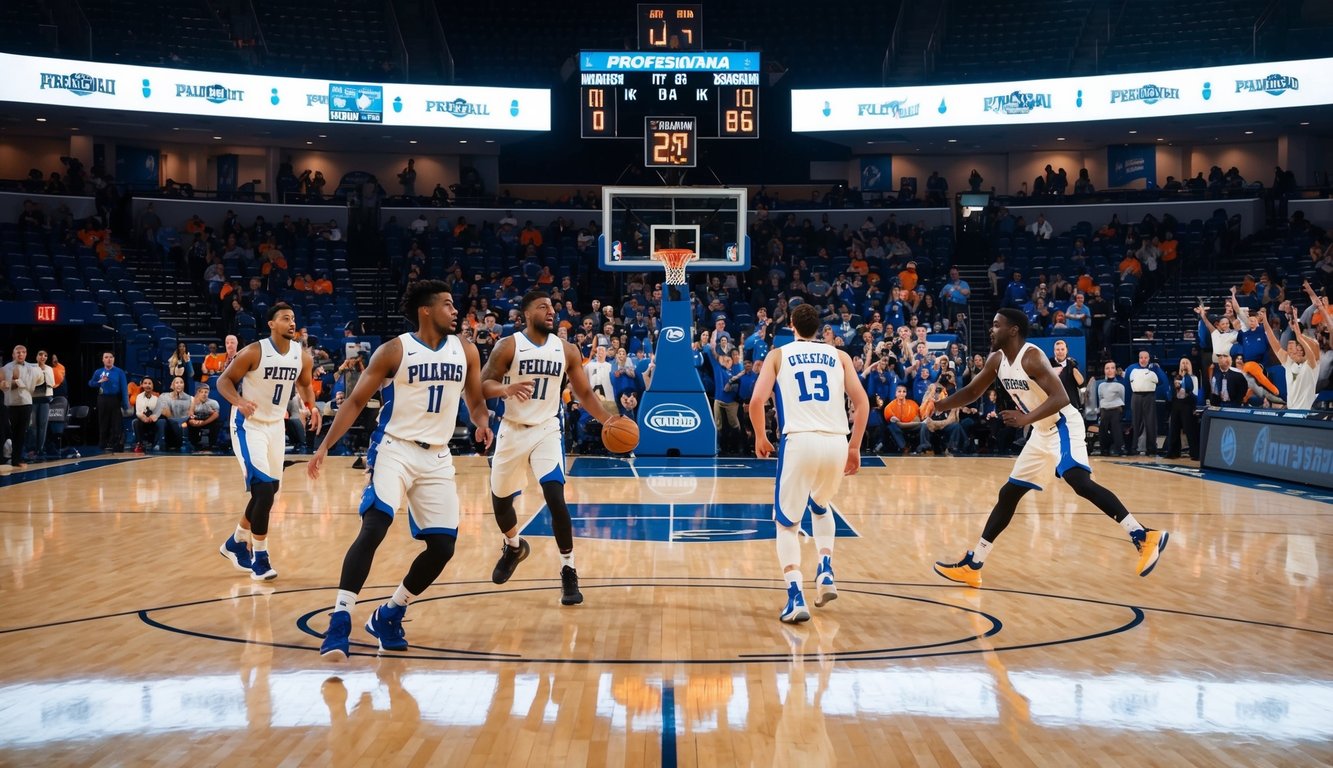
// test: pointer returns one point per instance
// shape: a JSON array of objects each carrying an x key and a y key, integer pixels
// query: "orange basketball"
[{"x": 620, "y": 435}]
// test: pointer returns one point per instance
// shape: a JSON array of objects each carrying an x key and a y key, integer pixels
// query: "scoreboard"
[{"x": 618, "y": 90}]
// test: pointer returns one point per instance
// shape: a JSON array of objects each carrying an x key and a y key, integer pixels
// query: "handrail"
[
  {"x": 404, "y": 60},
  {"x": 72, "y": 15},
  {"x": 891, "y": 53},
  {"x": 259, "y": 28},
  {"x": 437, "y": 31},
  {"x": 1266, "y": 16}
]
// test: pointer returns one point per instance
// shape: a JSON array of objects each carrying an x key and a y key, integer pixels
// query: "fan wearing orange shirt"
[
  {"x": 902, "y": 413},
  {"x": 323, "y": 286},
  {"x": 908, "y": 279}
]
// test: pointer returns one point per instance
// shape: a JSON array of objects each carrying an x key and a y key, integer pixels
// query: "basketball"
[{"x": 620, "y": 435}]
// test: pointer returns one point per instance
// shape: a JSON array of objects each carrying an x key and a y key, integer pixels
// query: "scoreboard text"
[{"x": 618, "y": 90}]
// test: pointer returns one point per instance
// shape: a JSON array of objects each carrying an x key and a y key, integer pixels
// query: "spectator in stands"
[
  {"x": 174, "y": 408},
  {"x": 113, "y": 398},
  {"x": 1130, "y": 266},
  {"x": 331, "y": 232},
  {"x": 1083, "y": 185},
  {"x": 179, "y": 364},
  {"x": 18, "y": 380},
  {"x": 1078, "y": 316},
  {"x": 937, "y": 190},
  {"x": 1109, "y": 402},
  {"x": 145, "y": 417},
  {"x": 955, "y": 294},
  {"x": 939, "y": 428},
  {"x": 1041, "y": 228},
  {"x": 903, "y": 416},
  {"x": 408, "y": 178},
  {"x": 1300, "y": 362},
  {"x": 975, "y": 181},
  {"x": 1016, "y": 293},
  {"x": 323, "y": 286},
  {"x": 908, "y": 280},
  {"x": 1185, "y": 391},
  {"x": 1227, "y": 386},
  {"x": 1144, "y": 378},
  {"x": 42, "y": 394},
  {"x": 203, "y": 422},
  {"x": 1221, "y": 335}
]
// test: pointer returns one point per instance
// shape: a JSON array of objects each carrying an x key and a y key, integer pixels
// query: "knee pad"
[{"x": 440, "y": 546}]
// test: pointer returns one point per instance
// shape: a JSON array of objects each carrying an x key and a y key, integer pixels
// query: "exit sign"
[{"x": 47, "y": 313}]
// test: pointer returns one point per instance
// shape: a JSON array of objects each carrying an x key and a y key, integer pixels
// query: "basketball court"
[{"x": 131, "y": 642}]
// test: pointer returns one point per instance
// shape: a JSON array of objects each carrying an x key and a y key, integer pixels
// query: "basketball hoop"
[{"x": 674, "y": 261}]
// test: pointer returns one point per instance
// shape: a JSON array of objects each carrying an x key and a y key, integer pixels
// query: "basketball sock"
[
  {"x": 793, "y": 577},
  {"x": 789, "y": 547},
  {"x": 346, "y": 601},
  {"x": 259, "y": 545},
  {"x": 1130, "y": 524},
  {"x": 401, "y": 597},
  {"x": 566, "y": 559},
  {"x": 512, "y": 541},
  {"x": 983, "y": 549},
  {"x": 241, "y": 535},
  {"x": 824, "y": 531}
]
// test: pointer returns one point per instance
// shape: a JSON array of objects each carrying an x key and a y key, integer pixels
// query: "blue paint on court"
[
  {"x": 675, "y": 522},
  {"x": 722, "y": 466},
  {"x": 44, "y": 473},
  {"x": 668, "y": 725},
  {"x": 1242, "y": 481}
]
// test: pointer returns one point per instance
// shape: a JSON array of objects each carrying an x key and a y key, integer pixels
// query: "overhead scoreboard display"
[{"x": 618, "y": 90}]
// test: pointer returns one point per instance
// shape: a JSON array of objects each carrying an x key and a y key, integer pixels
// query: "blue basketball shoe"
[
  {"x": 237, "y": 552},
  {"x": 336, "y": 644},
  {"x": 826, "y": 590},
  {"x": 386, "y": 625},
  {"x": 795, "y": 612}
]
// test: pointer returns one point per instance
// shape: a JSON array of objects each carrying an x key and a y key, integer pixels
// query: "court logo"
[
  {"x": 674, "y": 333},
  {"x": 213, "y": 94},
  {"x": 1148, "y": 94},
  {"x": 1273, "y": 85},
  {"x": 672, "y": 418},
  {"x": 459, "y": 107},
  {"x": 1017, "y": 103},
  {"x": 1229, "y": 446},
  {"x": 79, "y": 83}
]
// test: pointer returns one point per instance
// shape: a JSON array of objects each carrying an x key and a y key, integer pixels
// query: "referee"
[{"x": 113, "y": 397}]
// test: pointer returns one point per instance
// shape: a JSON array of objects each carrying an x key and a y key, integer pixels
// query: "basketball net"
[{"x": 674, "y": 261}]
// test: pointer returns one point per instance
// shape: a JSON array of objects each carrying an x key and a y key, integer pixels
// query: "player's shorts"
[
  {"x": 1051, "y": 452},
  {"x": 401, "y": 471},
  {"x": 810, "y": 466},
  {"x": 519, "y": 447},
  {"x": 259, "y": 446}
]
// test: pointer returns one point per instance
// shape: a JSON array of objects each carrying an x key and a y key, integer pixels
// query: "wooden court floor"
[{"x": 127, "y": 640}]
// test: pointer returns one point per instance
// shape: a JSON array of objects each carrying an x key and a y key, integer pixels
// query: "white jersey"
[
  {"x": 1300, "y": 384},
  {"x": 1027, "y": 395},
  {"x": 273, "y": 382},
  {"x": 544, "y": 366},
  {"x": 810, "y": 393},
  {"x": 599, "y": 378},
  {"x": 420, "y": 402}
]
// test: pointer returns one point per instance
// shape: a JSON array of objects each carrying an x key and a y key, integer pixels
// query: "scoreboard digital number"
[
  {"x": 669, "y": 142},
  {"x": 670, "y": 27},
  {"x": 618, "y": 90}
]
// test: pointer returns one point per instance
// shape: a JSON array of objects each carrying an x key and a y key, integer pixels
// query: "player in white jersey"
[
  {"x": 1056, "y": 447},
  {"x": 527, "y": 370},
  {"x": 812, "y": 381},
  {"x": 419, "y": 378},
  {"x": 268, "y": 373}
]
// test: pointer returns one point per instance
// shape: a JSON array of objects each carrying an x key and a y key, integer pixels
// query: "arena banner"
[
  {"x": 1126, "y": 163},
  {"x": 1238, "y": 88},
  {"x": 133, "y": 88}
]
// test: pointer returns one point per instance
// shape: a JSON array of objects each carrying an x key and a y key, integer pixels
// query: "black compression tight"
[
  {"x": 1078, "y": 478},
  {"x": 561, "y": 525},
  {"x": 261, "y": 504},
  {"x": 428, "y": 565},
  {"x": 505, "y": 516},
  {"x": 356, "y": 564}
]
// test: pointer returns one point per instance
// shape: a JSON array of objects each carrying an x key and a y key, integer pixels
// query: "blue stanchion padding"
[{"x": 674, "y": 416}]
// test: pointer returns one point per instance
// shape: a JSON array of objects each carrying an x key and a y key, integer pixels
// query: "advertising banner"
[
  {"x": 97, "y": 85},
  {"x": 1238, "y": 88},
  {"x": 1128, "y": 163}
]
